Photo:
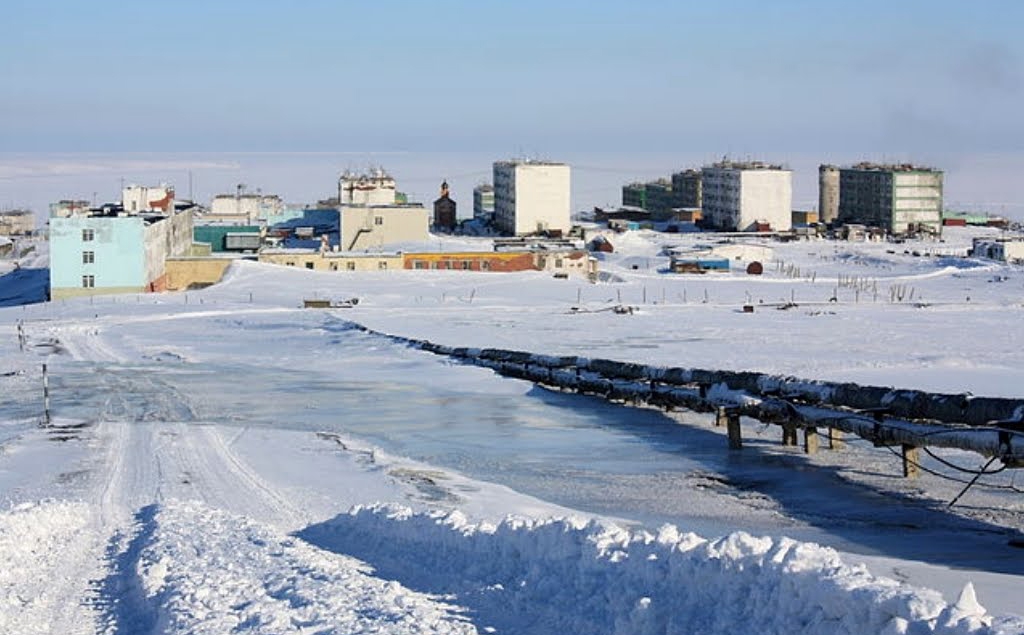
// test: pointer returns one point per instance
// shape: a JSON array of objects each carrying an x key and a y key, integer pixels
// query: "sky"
[
  {"x": 932, "y": 82},
  {"x": 738, "y": 76}
]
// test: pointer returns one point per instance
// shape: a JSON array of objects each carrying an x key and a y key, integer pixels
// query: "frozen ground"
[{"x": 224, "y": 461}]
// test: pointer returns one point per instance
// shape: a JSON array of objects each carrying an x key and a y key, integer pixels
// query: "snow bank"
[
  {"x": 37, "y": 542},
  {"x": 566, "y": 576},
  {"x": 193, "y": 569}
]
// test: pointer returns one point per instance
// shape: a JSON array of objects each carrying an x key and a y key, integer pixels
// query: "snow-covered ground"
[{"x": 225, "y": 461}]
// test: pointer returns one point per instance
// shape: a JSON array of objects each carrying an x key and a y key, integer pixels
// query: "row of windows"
[
  {"x": 349, "y": 266},
  {"x": 465, "y": 265}
]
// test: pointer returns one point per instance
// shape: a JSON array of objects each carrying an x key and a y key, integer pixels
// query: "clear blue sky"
[{"x": 737, "y": 76}]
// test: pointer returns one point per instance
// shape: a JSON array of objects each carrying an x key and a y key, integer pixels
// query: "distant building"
[
  {"x": 747, "y": 196},
  {"x": 1002, "y": 249},
  {"x": 244, "y": 208},
  {"x": 375, "y": 187},
  {"x": 65, "y": 208},
  {"x": 444, "y": 210},
  {"x": 101, "y": 253},
  {"x": 804, "y": 217},
  {"x": 687, "y": 190},
  {"x": 483, "y": 202},
  {"x": 137, "y": 199},
  {"x": 654, "y": 196},
  {"x": 635, "y": 195},
  {"x": 17, "y": 222},
  {"x": 898, "y": 198},
  {"x": 661, "y": 196},
  {"x": 378, "y": 226},
  {"x": 319, "y": 260},
  {"x": 531, "y": 197},
  {"x": 370, "y": 216}
]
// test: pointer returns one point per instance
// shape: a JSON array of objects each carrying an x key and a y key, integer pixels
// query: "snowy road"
[{"x": 228, "y": 466}]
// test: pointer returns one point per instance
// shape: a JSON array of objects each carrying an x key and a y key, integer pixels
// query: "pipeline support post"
[
  {"x": 835, "y": 439},
  {"x": 811, "y": 440},
  {"x": 911, "y": 460},
  {"x": 789, "y": 436},
  {"x": 733, "y": 428}
]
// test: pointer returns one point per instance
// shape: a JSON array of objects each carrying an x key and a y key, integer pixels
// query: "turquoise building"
[{"x": 103, "y": 254}]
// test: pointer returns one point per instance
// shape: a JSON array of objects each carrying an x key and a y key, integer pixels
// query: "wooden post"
[
  {"x": 46, "y": 397},
  {"x": 789, "y": 435},
  {"x": 835, "y": 439},
  {"x": 911, "y": 461},
  {"x": 810, "y": 440},
  {"x": 733, "y": 426},
  {"x": 721, "y": 417}
]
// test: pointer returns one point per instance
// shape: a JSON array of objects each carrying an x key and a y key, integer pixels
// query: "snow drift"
[{"x": 570, "y": 576}]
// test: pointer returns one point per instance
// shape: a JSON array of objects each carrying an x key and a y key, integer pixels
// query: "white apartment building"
[
  {"x": 746, "y": 196},
  {"x": 531, "y": 197}
]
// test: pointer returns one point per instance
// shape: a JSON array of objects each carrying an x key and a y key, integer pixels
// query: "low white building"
[
  {"x": 1002, "y": 249},
  {"x": 531, "y": 197},
  {"x": 244, "y": 209},
  {"x": 747, "y": 196}
]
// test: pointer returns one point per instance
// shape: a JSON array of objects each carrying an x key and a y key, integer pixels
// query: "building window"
[
  {"x": 382, "y": 264},
  {"x": 558, "y": 263},
  {"x": 485, "y": 265},
  {"x": 309, "y": 265},
  {"x": 88, "y": 257},
  {"x": 419, "y": 264},
  {"x": 465, "y": 265},
  {"x": 351, "y": 266},
  {"x": 87, "y": 235},
  {"x": 88, "y": 282},
  {"x": 334, "y": 266},
  {"x": 378, "y": 220},
  {"x": 290, "y": 264}
]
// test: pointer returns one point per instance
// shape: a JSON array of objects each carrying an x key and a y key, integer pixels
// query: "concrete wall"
[
  {"x": 187, "y": 272},
  {"x": 163, "y": 239},
  {"x": 917, "y": 200},
  {"x": 379, "y": 226},
  {"x": 766, "y": 196}
]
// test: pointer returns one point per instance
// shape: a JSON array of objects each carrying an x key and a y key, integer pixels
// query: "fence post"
[{"x": 46, "y": 397}]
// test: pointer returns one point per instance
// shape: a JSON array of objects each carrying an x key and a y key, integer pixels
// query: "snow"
[{"x": 225, "y": 460}]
